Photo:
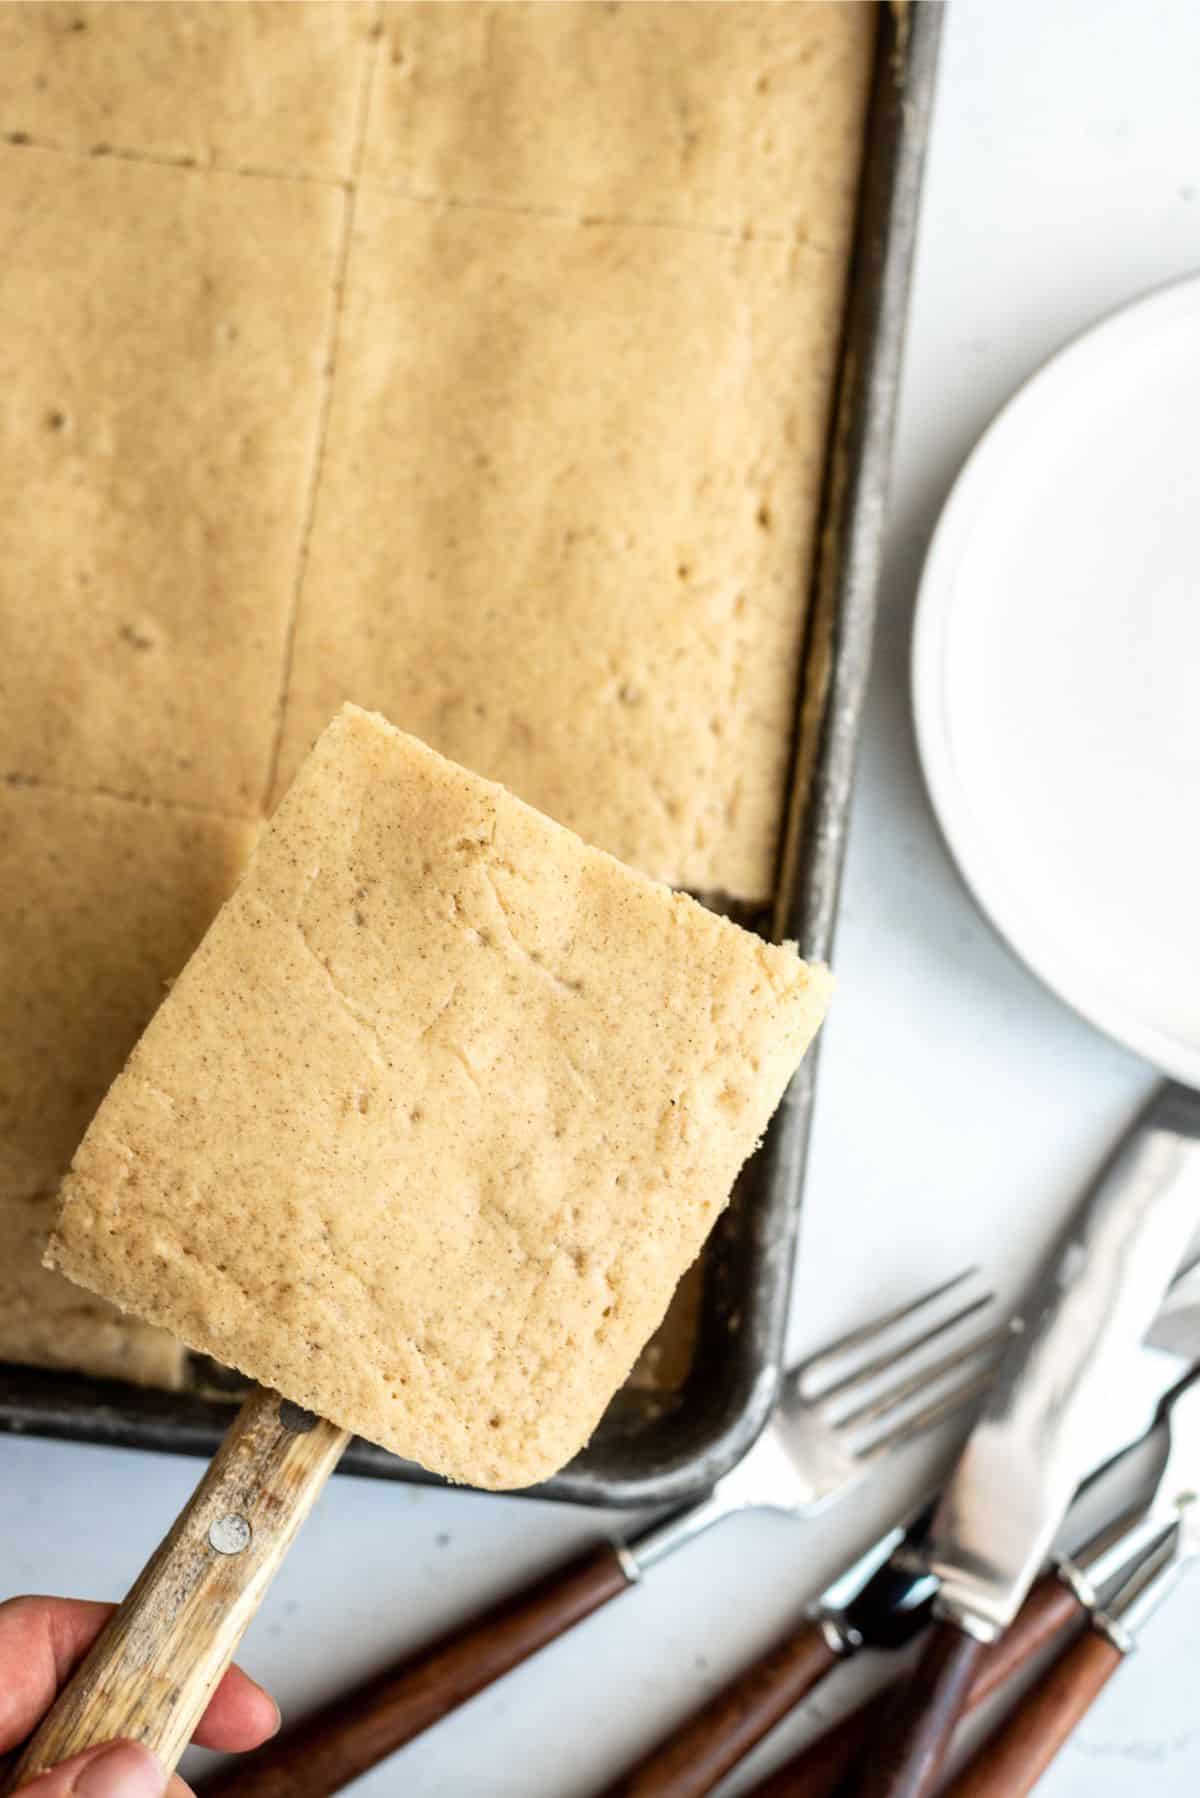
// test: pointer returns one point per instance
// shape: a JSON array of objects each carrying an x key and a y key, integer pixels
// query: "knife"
[
  {"x": 1013, "y": 1760},
  {"x": 897, "y": 1600},
  {"x": 1147, "y": 1562},
  {"x": 1044, "y": 1422},
  {"x": 885, "y": 1599}
]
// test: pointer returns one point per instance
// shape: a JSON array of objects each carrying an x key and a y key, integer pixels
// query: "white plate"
[{"x": 1056, "y": 675}]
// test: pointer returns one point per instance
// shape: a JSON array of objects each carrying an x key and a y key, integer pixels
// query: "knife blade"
[
  {"x": 1043, "y": 1423},
  {"x": 1046, "y": 1417},
  {"x": 1142, "y": 1566},
  {"x": 1172, "y": 1504},
  {"x": 884, "y": 1599}
]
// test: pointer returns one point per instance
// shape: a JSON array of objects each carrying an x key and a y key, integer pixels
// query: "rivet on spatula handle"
[{"x": 152, "y": 1671}]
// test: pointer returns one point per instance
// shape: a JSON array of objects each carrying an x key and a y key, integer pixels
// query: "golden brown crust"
[
  {"x": 106, "y": 901},
  {"x": 168, "y": 351},
  {"x": 715, "y": 117},
  {"x": 47, "y": 1321},
  {"x": 582, "y": 573},
  {"x": 161, "y": 363},
  {"x": 252, "y": 85}
]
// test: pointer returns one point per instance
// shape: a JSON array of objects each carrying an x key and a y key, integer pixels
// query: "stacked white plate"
[{"x": 1057, "y": 676}]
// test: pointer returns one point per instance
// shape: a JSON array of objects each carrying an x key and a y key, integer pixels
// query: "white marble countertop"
[{"x": 960, "y": 1106}]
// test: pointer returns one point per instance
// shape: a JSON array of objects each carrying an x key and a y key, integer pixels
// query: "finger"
[
  {"x": 112, "y": 1770},
  {"x": 176, "y": 1787},
  {"x": 240, "y": 1715},
  {"x": 42, "y": 1641}
]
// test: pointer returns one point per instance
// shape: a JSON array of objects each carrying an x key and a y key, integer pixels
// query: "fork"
[
  {"x": 889, "y": 1611},
  {"x": 839, "y": 1413}
]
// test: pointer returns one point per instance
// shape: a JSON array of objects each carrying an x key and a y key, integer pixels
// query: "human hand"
[{"x": 42, "y": 1641}]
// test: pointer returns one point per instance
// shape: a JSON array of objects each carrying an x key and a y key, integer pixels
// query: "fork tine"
[
  {"x": 878, "y": 1326},
  {"x": 902, "y": 1352},
  {"x": 892, "y": 1397},
  {"x": 921, "y": 1422}
]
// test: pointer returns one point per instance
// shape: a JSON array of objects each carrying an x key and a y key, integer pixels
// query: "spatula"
[
  {"x": 421, "y": 1140},
  {"x": 152, "y": 1672}
]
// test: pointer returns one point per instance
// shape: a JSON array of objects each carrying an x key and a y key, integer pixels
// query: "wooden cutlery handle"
[
  {"x": 1050, "y": 1607},
  {"x": 1011, "y": 1762},
  {"x": 154, "y": 1668},
  {"x": 356, "y": 1731},
  {"x": 699, "y": 1754},
  {"x": 921, "y": 1717},
  {"x": 816, "y": 1770}
]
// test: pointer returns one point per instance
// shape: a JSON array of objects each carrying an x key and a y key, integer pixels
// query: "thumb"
[{"x": 115, "y": 1770}]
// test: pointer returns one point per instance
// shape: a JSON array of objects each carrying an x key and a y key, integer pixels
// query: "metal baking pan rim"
[{"x": 672, "y": 1457}]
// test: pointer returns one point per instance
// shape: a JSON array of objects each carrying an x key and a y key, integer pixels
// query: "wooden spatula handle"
[
  {"x": 816, "y": 1770},
  {"x": 699, "y": 1754},
  {"x": 1011, "y": 1762},
  {"x": 361, "y": 1728},
  {"x": 152, "y": 1672}
]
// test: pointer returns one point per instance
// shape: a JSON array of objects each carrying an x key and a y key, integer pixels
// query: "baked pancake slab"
[
  {"x": 162, "y": 357},
  {"x": 47, "y": 1321},
  {"x": 716, "y": 117},
  {"x": 437, "y": 1115},
  {"x": 566, "y": 509},
  {"x": 261, "y": 86}
]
